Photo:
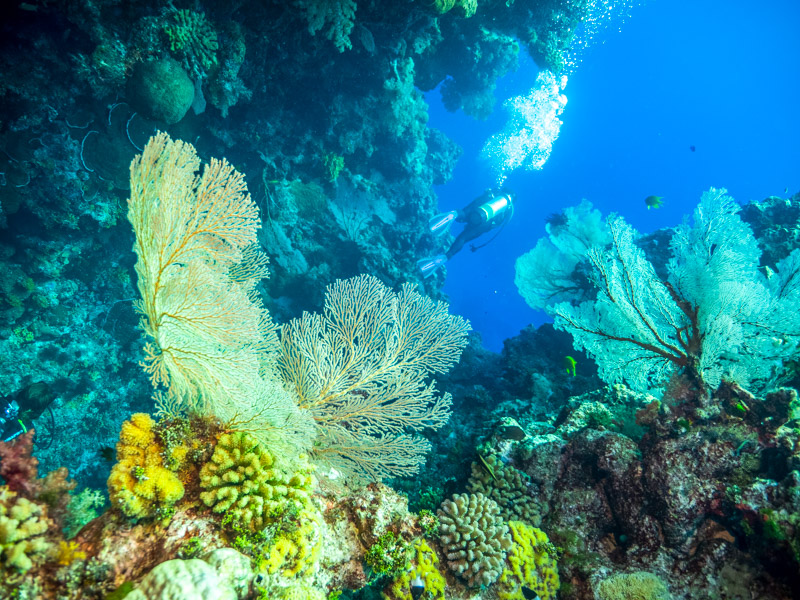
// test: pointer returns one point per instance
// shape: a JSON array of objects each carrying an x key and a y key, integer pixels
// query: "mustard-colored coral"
[
  {"x": 297, "y": 551},
  {"x": 531, "y": 562},
  {"x": 640, "y": 585},
  {"x": 243, "y": 480},
  {"x": 426, "y": 567},
  {"x": 22, "y": 527},
  {"x": 140, "y": 485},
  {"x": 69, "y": 552}
]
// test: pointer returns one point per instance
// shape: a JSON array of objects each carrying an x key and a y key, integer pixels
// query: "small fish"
[
  {"x": 569, "y": 365},
  {"x": 528, "y": 593},
  {"x": 692, "y": 148},
  {"x": 108, "y": 454},
  {"x": 487, "y": 466},
  {"x": 417, "y": 588},
  {"x": 513, "y": 432},
  {"x": 653, "y": 202}
]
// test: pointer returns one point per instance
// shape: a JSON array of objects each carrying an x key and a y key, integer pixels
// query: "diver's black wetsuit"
[{"x": 476, "y": 226}]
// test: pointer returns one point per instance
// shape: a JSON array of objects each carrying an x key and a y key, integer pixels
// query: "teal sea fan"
[{"x": 715, "y": 315}]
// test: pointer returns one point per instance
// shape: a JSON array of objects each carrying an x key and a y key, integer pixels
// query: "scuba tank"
[{"x": 494, "y": 207}]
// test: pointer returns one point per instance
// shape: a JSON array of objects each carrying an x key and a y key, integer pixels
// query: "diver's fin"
[
  {"x": 427, "y": 266},
  {"x": 441, "y": 222}
]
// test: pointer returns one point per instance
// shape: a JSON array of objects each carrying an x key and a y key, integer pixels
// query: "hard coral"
[
  {"x": 426, "y": 567},
  {"x": 531, "y": 563},
  {"x": 508, "y": 487},
  {"x": 140, "y": 485},
  {"x": 242, "y": 479},
  {"x": 475, "y": 537},
  {"x": 192, "y": 34},
  {"x": 183, "y": 580},
  {"x": 23, "y": 525}
]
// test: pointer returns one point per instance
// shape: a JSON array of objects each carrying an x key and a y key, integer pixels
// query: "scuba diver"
[
  {"x": 493, "y": 208},
  {"x": 20, "y": 409}
]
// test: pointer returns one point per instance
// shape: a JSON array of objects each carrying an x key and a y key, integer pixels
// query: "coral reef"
[
  {"x": 509, "y": 488},
  {"x": 633, "y": 586}
]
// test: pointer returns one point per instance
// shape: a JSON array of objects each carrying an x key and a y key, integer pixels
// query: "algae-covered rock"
[{"x": 161, "y": 90}]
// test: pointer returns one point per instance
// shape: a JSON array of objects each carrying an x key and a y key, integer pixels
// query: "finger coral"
[
  {"x": 475, "y": 538},
  {"x": 22, "y": 527},
  {"x": 508, "y": 487},
  {"x": 242, "y": 479}
]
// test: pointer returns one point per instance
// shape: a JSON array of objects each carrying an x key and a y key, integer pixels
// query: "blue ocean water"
[{"x": 722, "y": 77}]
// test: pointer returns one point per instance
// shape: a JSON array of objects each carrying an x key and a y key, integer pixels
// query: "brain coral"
[
  {"x": 243, "y": 479},
  {"x": 177, "y": 579},
  {"x": 475, "y": 537}
]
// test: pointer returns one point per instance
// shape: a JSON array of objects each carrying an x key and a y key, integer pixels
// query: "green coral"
[
  {"x": 429, "y": 522},
  {"x": 334, "y": 165},
  {"x": 243, "y": 480},
  {"x": 467, "y": 8},
  {"x": 294, "y": 547},
  {"x": 389, "y": 555},
  {"x": 633, "y": 586},
  {"x": 426, "y": 567},
  {"x": 191, "y": 33},
  {"x": 23, "y": 525},
  {"x": 531, "y": 562}
]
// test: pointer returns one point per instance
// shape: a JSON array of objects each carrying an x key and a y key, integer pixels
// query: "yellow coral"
[
  {"x": 242, "y": 479},
  {"x": 140, "y": 485},
  {"x": 296, "y": 552},
  {"x": 22, "y": 527},
  {"x": 530, "y": 563},
  {"x": 426, "y": 567},
  {"x": 69, "y": 552}
]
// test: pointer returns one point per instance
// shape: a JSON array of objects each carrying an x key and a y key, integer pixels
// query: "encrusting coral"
[
  {"x": 140, "y": 485},
  {"x": 426, "y": 567},
  {"x": 640, "y": 585},
  {"x": 531, "y": 562},
  {"x": 475, "y": 538}
]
